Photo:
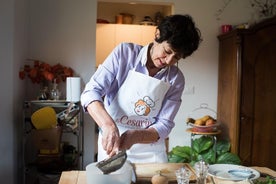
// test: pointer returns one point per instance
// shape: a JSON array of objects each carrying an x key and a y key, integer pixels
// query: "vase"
[{"x": 43, "y": 93}]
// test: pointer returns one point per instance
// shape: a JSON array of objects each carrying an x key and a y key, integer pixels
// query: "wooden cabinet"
[
  {"x": 247, "y": 92},
  {"x": 110, "y": 35}
]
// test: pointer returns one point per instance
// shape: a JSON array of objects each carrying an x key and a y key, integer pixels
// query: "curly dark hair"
[{"x": 181, "y": 33}]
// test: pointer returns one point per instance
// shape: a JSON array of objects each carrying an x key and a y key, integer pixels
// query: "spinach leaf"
[
  {"x": 202, "y": 144},
  {"x": 228, "y": 158},
  {"x": 223, "y": 146},
  {"x": 203, "y": 149}
]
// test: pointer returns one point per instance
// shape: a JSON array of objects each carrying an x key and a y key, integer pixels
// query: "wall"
[
  {"x": 7, "y": 168},
  {"x": 64, "y": 31},
  {"x": 13, "y": 51}
]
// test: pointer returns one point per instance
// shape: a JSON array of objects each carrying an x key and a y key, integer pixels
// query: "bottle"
[
  {"x": 201, "y": 170},
  {"x": 55, "y": 93}
]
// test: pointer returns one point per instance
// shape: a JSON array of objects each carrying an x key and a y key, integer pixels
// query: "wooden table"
[{"x": 79, "y": 177}]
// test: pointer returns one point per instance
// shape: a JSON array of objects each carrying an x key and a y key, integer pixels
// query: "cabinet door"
[
  {"x": 105, "y": 41},
  {"x": 229, "y": 88},
  {"x": 258, "y": 103}
]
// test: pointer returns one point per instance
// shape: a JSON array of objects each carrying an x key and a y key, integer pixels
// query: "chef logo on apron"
[{"x": 143, "y": 107}]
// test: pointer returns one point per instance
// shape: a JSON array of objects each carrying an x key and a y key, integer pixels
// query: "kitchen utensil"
[
  {"x": 113, "y": 163},
  {"x": 65, "y": 113},
  {"x": 44, "y": 118},
  {"x": 47, "y": 117}
]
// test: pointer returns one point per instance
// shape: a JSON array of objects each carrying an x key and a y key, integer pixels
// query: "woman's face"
[{"x": 163, "y": 55}]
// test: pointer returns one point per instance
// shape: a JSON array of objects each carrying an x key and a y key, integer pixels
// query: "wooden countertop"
[{"x": 145, "y": 172}]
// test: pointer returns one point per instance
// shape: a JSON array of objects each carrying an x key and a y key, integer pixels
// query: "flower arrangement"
[
  {"x": 264, "y": 8},
  {"x": 42, "y": 72}
]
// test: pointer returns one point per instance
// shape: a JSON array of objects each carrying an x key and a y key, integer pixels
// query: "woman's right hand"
[
  {"x": 110, "y": 139},
  {"x": 110, "y": 132}
]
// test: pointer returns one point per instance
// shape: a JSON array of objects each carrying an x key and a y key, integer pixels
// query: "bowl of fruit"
[
  {"x": 203, "y": 119},
  {"x": 204, "y": 124}
]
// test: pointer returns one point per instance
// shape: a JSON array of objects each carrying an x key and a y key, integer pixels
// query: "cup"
[
  {"x": 226, "y": 28},
  {"x": 182, "y": 175}
]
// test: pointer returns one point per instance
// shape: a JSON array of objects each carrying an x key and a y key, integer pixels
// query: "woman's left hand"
[{"x": 130, "y": 137}]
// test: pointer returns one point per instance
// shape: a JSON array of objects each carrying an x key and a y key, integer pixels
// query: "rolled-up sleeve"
[
  {"x": 164, "y": 121},
  {"x": 94, "y": 90}
]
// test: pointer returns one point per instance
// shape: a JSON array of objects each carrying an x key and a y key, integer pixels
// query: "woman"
[{"x": 142, "y": 89}]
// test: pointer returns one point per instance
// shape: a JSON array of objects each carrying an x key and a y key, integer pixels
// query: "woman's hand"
[
  {"x": 130, "y": 137},
  {"x": 110, "y": 132},
  {"x": 110, "y": 139}
]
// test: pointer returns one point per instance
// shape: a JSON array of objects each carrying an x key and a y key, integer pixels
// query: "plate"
[
  {"x": 204, "y": 128},
  {"x": 232, "y": 172}
]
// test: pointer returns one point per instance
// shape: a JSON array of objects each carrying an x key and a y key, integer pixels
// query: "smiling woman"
[{"x": 154, "y": 97}]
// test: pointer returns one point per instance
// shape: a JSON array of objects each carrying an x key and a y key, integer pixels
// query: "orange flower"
[{"x": 42, "y": 72}]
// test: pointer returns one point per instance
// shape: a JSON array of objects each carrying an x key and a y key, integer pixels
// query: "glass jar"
[{"x": 55, "y": 93}]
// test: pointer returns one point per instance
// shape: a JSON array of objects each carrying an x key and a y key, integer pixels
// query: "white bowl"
[{"x": 122, "y": 176}]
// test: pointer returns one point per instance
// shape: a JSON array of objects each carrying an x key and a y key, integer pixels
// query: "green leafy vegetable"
[
  {"x": 203, "y": 148},
  {"x": 267, "y": 180},
  {"x": 228, "y": 158},
  {"x": 200, "y": 145}
]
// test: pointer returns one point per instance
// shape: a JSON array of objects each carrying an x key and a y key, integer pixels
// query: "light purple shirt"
[{"x": 108, "y": 78}]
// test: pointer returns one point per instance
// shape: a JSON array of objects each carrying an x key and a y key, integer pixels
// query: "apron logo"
[
  {"x": 133, "y": 122},
  {"x": 143, "y": 106}
]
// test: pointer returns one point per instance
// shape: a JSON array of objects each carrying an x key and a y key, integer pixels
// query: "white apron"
[{"x": 135, "y": 106}]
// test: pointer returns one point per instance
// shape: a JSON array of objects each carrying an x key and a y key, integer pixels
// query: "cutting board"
[
  {"x": 145, "y": 171},
  {"x": 44, "y": 118}
]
